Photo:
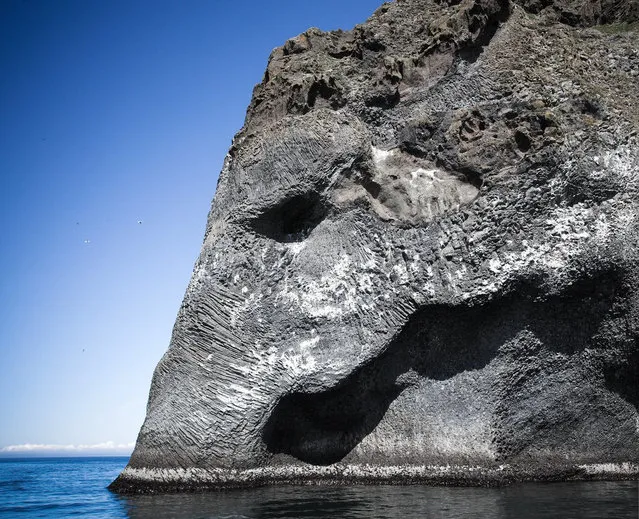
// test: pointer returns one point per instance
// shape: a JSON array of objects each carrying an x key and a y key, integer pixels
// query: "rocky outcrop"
[{"x": 421, "y": 262}]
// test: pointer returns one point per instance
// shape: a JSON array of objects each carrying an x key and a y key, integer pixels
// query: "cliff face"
[{"x": 421, "y": 262}]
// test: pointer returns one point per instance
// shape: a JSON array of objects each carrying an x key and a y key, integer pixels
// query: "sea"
[{"x": 76, "y": 487}]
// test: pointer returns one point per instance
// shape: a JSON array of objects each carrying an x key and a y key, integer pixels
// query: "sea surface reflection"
[
  {"x": 76, "y": 487},
  {"x": 550, "y": 500}
]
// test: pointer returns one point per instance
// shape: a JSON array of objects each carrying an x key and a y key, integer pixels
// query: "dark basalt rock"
[{"x": 421, "y": 263}]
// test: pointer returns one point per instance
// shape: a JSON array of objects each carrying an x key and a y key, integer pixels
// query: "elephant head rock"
[{"x": 421, "y": 262}]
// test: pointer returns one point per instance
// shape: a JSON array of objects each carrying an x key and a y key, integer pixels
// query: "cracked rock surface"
[{"x": 421, "y": 262}]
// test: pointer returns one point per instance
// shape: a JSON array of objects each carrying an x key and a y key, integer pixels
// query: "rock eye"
[{"x": 293, "y": 219}]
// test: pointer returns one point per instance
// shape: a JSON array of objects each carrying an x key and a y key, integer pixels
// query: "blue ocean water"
[
  {"x": 76, "y": 487},
  {"x": 59, "y": 487}
]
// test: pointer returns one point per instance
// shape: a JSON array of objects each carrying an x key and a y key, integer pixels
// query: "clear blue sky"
[{"x": 114, "y": 112}]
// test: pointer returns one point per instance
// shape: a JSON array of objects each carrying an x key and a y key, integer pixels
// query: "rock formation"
[{"x": 421, "y": 262}]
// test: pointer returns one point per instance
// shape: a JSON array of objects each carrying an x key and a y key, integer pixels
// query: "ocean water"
[{"x": 76, "y": 487}]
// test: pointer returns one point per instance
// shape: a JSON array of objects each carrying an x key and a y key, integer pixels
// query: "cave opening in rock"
[
  {"x": 293, "y": 219},
  {"x": 326, "y": 90},
  {"x": 523, "y": 141},
  {"x": 437, "y": 343}
]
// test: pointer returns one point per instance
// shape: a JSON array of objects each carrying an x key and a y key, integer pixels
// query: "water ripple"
[{"x": 76, "y": 487}]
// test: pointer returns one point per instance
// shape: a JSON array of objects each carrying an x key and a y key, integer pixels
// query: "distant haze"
[{"x": 98, "y": 449}]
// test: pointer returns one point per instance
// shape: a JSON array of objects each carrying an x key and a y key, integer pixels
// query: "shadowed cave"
[
  {"x": 293, "y": 219},
  {"x": 439, "y": 342}
]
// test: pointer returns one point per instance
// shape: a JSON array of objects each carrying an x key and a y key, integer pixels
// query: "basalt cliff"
[{"x": 421, "y": 263}]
